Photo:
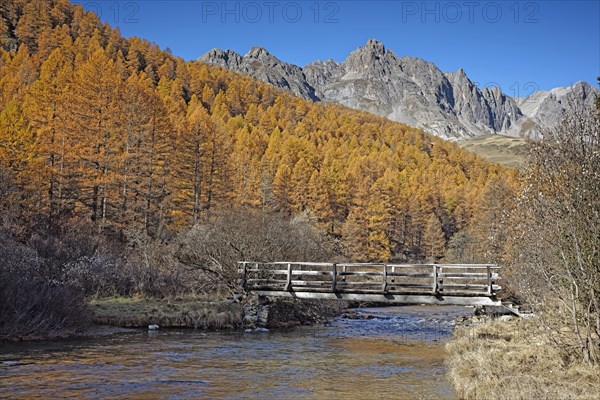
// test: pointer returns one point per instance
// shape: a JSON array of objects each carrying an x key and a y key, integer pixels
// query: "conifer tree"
[
  {"x": 434, "y": 242},
  {"x": 95, "y": 141},
  {"x": 47, "y": 110},
  {"x": 282, "y": 189}
]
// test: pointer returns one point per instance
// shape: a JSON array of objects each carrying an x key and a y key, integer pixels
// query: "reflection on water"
[{"x": 396, "y": 353}]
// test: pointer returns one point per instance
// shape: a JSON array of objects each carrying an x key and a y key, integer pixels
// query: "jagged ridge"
[{"x": 409, "y": 90}]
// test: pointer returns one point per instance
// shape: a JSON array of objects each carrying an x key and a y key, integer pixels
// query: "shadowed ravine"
[{"x": 392, "y": 353}]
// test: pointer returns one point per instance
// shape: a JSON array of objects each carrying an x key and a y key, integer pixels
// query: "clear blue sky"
[{"x": 518, "y": 45}]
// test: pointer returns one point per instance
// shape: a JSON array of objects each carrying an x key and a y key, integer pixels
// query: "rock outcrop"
[
  {"x": 260, "y": 64},
  {"x": 409, "y": 90},
  {"x": 546, "y": 108}
]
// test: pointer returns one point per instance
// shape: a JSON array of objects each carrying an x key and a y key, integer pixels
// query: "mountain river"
[{"x": 373, "y": 353}]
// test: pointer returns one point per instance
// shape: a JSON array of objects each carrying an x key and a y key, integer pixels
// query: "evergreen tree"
[{"x": 434, "y": 242}]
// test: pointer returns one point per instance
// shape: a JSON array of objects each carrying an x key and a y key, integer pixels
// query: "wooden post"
[
  {"x": 244, "y": 271},
  {"x": 489, "y": 280},
  {"x": 344, "y": 270},
  {"x": 393, "y": 274},
  {"x": 384, "y": 288},
  {"x": 288, "y": 285},
  {"x": 435, "y": 280},
  {"x": 256, "y": 266},
  {"x": 334, "y": 278}
]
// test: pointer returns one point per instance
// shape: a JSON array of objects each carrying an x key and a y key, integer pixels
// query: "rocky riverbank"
[
  {"x": 248, "y": 313},
  {"x": 287, "y": 313},
  {"x": 114, "y": 315}
]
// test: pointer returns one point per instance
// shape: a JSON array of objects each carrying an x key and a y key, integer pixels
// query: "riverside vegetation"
[
  {"x": 518, "y": 359},
  {"x": 554, "y": 265},
  {"x": 128, "y": 172}
]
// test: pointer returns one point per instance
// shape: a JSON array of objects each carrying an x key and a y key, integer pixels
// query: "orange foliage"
[{"x": 131, "y": 137}]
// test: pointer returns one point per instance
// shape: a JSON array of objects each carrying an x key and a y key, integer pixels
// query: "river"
[{"x": 385, "y": 353}]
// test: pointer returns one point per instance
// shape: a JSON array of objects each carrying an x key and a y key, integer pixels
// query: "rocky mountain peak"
[
  {"x": 375, "y": 47},
  {"x": 226, "y": 59},
  {"x": 459, "y": 78},
  {"x": 458, "y": 75},
  {"x": 258, "y": 53},
  {"x": 259, "y": 63},
  {"x": 372, "y": 59},
  {"x": 546, "y": 108},
  {"x": 409, "y": 90},
  {"x": 372, "y": 50}
]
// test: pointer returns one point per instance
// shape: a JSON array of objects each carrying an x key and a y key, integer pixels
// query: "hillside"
[
  {"x": 504, "y": 150},
  {"x": 128, "y": 137}
]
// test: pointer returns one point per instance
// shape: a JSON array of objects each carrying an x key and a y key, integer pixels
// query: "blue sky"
[{"x": 519, "y": 45}]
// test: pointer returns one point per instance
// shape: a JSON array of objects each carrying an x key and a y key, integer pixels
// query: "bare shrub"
[
  {"x": 556, "y": 249},
  {"x": 31, "y": 305},
  {"x": 101, "y": 275},
  {"x": 155, "y": 272},
  {"x": 234, "y": 235}
]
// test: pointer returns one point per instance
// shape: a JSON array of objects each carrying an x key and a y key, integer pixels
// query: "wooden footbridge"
[{"x": 449, "y": 284}]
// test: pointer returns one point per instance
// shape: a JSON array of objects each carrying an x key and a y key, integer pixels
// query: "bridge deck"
[{"x": 463, "y": 284}]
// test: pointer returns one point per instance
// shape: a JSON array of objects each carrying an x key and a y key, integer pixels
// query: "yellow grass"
[
  {"x": 505, "y": 150},
  {"x": 516, "y": 360},
  {"x": 167, "y": 313}
]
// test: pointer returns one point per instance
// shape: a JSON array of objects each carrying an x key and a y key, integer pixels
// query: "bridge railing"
[{"x": 430, "y": 279}]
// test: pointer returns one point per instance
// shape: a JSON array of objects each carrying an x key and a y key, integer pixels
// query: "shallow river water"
[{"x": 394, "y": 353}]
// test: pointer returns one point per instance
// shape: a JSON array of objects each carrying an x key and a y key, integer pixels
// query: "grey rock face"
[
  {"x": 260, "y": 64},
  {"x": 226, "y": 59},
  {"x": 546, "y": 108},
  {"x": 408, "y": 90},
  {"x": 321, "y": 73}
]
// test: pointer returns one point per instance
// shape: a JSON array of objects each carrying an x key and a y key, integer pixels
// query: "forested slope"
[{"x": 117, "y": 132}]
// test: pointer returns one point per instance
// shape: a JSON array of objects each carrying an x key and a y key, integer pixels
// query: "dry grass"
[
  {"x": 516, "y": 360},
  {"x": 167, "y": 313},
  {"x": 505, "y": 150}
]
